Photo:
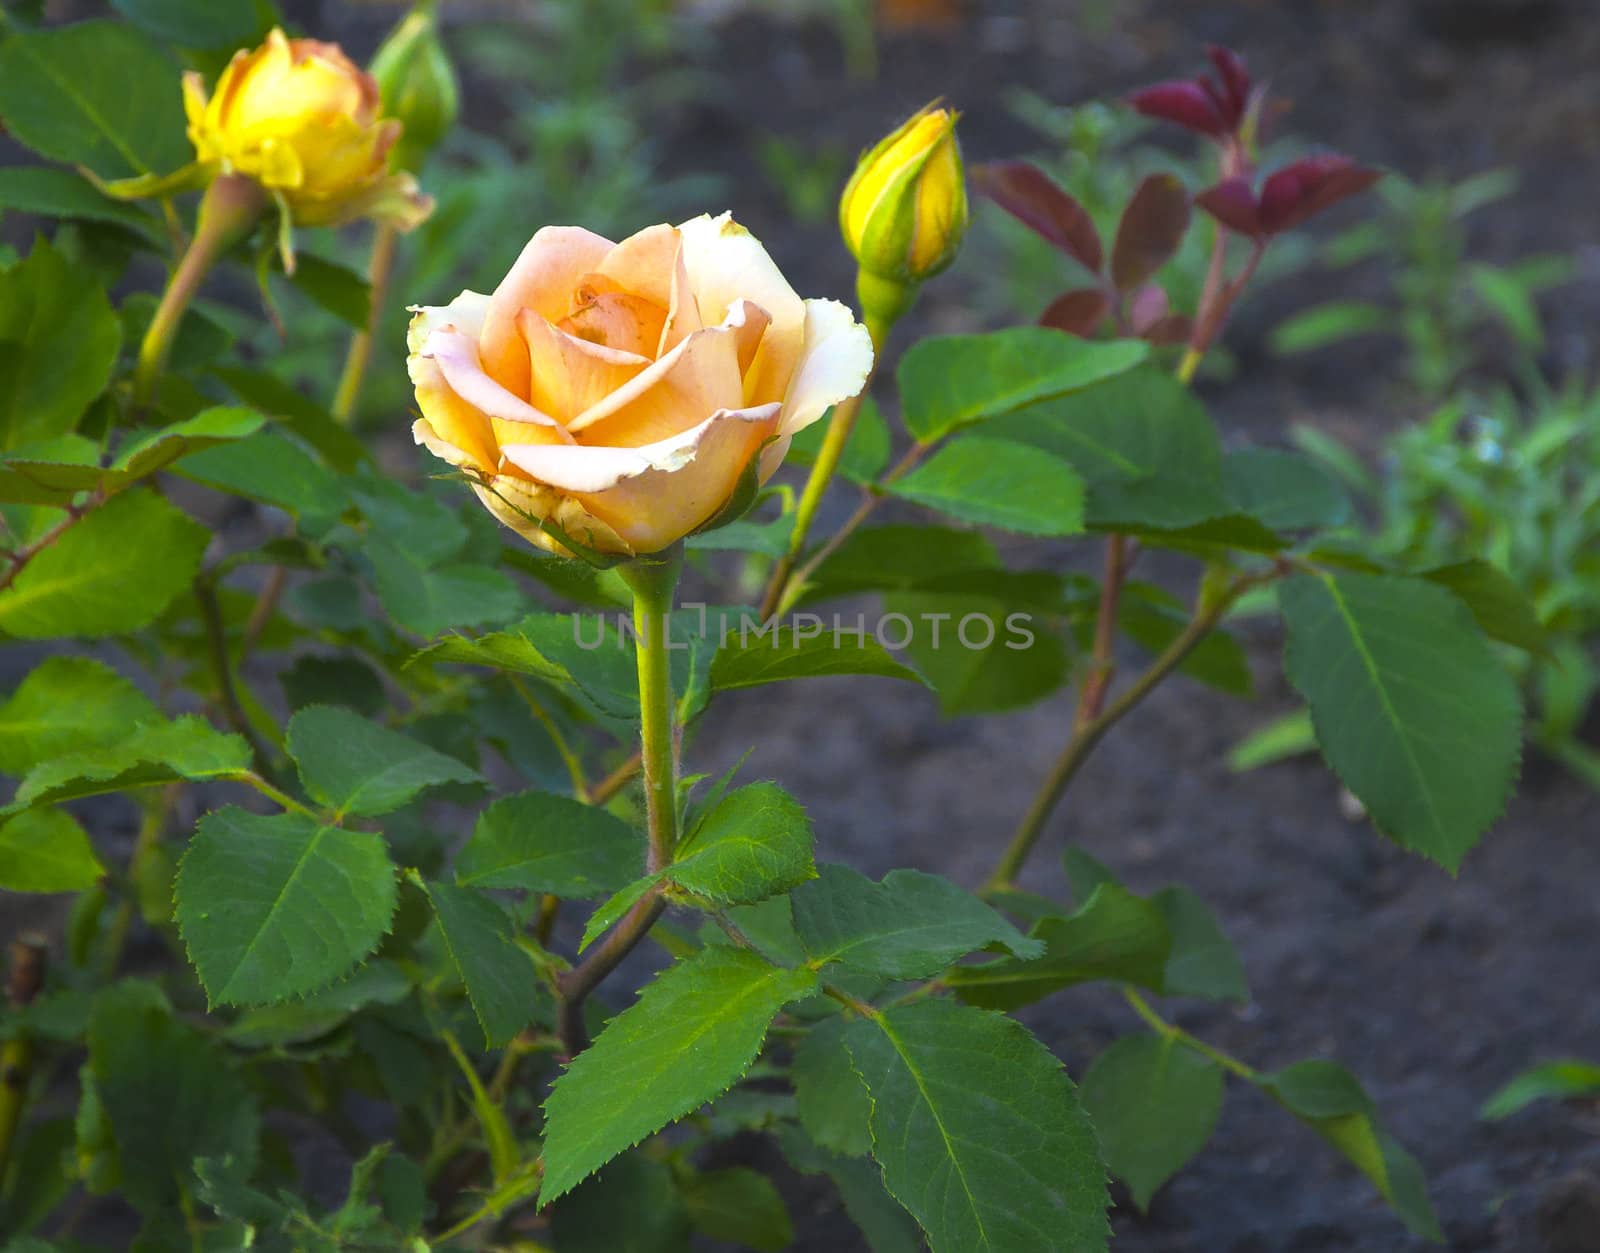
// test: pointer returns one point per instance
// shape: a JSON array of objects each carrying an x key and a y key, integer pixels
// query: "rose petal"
[
  {"x": 451, "y": 421},
  {"x": 727, "y": 264},
  {"x": 698, "y": 377},
  {"x": 542, "y": 280},
  {"x": 456, "y": 355},
  {"x": 834, "y": 364},
  {"x": 568, "y": 375},
  {"x": 651, "y": 264},
  {"x": 653, "y": 495},
  {"x": 749, "y": 323}
]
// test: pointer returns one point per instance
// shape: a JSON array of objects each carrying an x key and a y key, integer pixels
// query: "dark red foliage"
[
  {"x": 1288, "y": 197},
  {"x": 1028, "y": 194},
  {"x": 1202, "y": 104}
]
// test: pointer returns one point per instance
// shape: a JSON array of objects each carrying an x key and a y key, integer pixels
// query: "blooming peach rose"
[
  {"x": 618, "y": 392},
  {"x": 299, "y": 118}
]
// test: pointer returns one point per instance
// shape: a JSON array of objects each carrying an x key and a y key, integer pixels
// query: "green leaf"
[
  {"x": 205, "y": 24},
  {"x": 45, "y": 850},
  {"x": 1328, "y": 323},
  {"x": 739, "y": 1206},
  {"x": 983, "y": 653},
  {"x": 1283, "y": 490},
  {"x": 632, "y": 1206},
  {"x": 344, "y": 681},
  {"x": 429, "y": 602},
  {"x": 979, "y": 1131},
  {"x": 275, "y": 907},
  {"x": 48, "y": 192},
  {"x": 755, "y": 653},
  {"x": 885, "y": 1224},
  {"x": 1143, "y": 444},
  {"x": 1155, "y": 1104},
  {"x": 1501, "y": 608},
  {"x": 337, "y": 288},
  {"x": 275, "y": 470},
  {"x": 156, "y": 451},
  {"x": 1203, "y": 961},
  {"x": 1329, "y": 1098},
  {"x": 354, "y": 766},
  {"x": 903, "y": 558},
  {"x": 1154, "y": 618},
  {"x": 498, "y": 975},
  {"x": 142, "y": 756},
  {"x": 168, "y": 1093},
  {"x": 113, "y": 572},
  {"x": 755, "y": 843},
  {"x": 830, "y": 1099},
  {"x": 94, "y": 93},
  {"x": 1411, "y": 707},
  {"x": 1511, "y": 301},
  {"x": 690, "y": 1036},
  {"x": 951, "y": 381},
  {"x": 910, "y": 926},
  {"x": 1282, "y": 738},
  {"x": 59, "y": 339},
  {"x": 619, "y": 903},
  {"x": 542, "y": 842},
  {"x": 67, "y": 704},
  {"x": 993, "y": 482},
  {"x": 379, "y": 982},
  {"x": 309, "y": 421},
  {"x": 1557, "y": 1080},
  {"x": 1116, "y": 935},
  {"x": 866, "y": 452}
]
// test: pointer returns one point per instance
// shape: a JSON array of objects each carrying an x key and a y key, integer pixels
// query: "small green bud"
[{"x": 417, "y": 85}]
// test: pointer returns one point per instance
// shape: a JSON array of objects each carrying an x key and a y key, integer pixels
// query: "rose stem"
[
  {"x": 360, "y": 355},
  {"x": 230, "y": 208},
  {"x": 653, "y": 580}
]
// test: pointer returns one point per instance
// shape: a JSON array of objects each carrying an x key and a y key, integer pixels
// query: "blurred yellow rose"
[
  {"x": 620, "y": 391},
  {"x": 299, "y": 118}
]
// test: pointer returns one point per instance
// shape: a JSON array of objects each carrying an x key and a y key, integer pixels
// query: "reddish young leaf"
[
  {"x": 1184, "y": 103},
  {"x": 1078, "y": 312},
  {"x": 1233, "y": 204},
  {"x": 1148, "y": 306},
  {"x": 1028, "y": 194},
  {"x": 1307, "y": 187},
  {"x": 1235, "y": 94},
  {"x": 1152, "y": 227}
]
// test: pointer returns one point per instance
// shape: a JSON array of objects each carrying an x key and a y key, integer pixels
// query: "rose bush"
[{"x": 615, "y": 394}]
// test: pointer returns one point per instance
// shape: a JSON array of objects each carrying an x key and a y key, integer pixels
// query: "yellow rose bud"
[
  {"x": 619, "y": 393},
  {"x": 904, "y": 211},
  {"x": 417, "y": 85},
  {"x": 297, "y": 117}
]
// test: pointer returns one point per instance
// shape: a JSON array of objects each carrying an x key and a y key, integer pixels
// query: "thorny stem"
[
  {"x": 840, "y": 427},
  {"x": 20, "y": 557},
  {"x": 1086, "y": 737},
  {"x": 360, "y": 355},
  {"x": 1178, "y": 1035},
  {"x": 1103, "y": 663},
  {"x": 653, "y": 580},
  {"x": 274, "y": 794},
  {"x": 614, "y": 782}
]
